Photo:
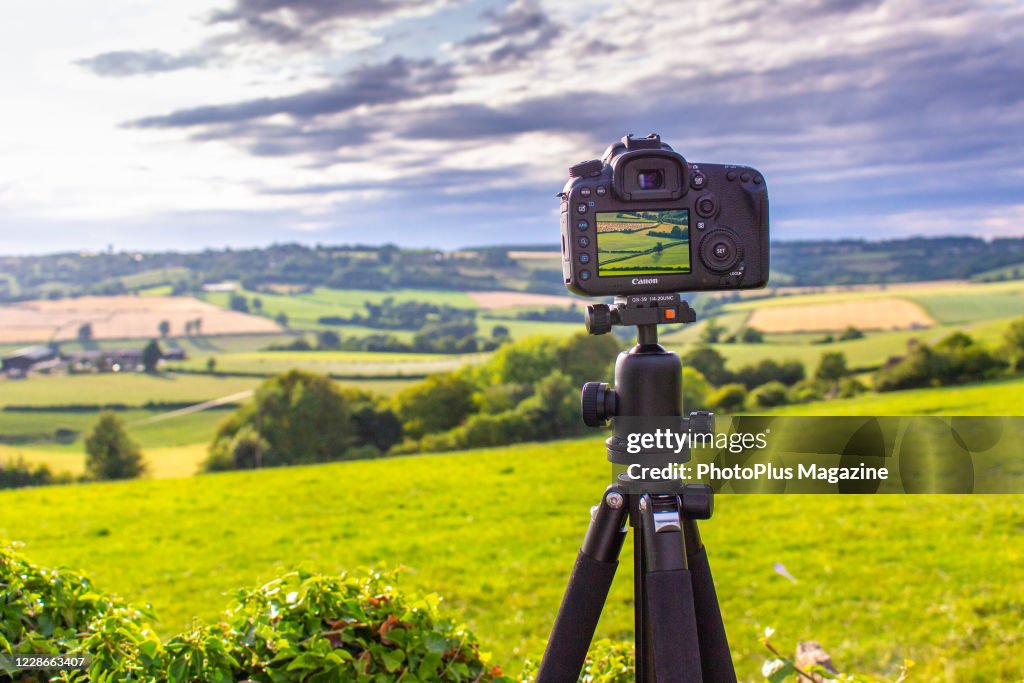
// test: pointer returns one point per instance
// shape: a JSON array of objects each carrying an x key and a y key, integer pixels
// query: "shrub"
[
  {"x": 849, "y": 387},
  {"x": 730, "y": 398},
  {"x": 807, "y": 391},
  {"x": 954, "y": 360},
  {"x": 300, "y": 627},
  {"x": 18, "y": 473},
  {"x": 695, "y": 390},
  {"x": 849, "y": 333},
  {"x": 293, "y": 418},
  {"x": 788, "y": 372},
  {"x": 768, "y": 395},
  {"x": 110, "y": 453}
]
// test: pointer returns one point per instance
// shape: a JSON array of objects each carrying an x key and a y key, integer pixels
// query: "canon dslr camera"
[{"x": 644, "y": 220}]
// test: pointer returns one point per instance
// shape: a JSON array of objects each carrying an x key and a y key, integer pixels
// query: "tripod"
[{"x": 680, "y": 637}]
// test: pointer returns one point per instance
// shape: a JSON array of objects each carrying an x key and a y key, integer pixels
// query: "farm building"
[
  {"x": 105, "y": 360},
  {"x": 21, "y": 361}
]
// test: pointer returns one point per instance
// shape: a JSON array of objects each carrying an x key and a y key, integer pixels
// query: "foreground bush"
[{"x": 300, "y": 627}]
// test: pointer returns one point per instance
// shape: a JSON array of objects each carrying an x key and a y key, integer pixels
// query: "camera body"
[{"x": 644, "y": 220}]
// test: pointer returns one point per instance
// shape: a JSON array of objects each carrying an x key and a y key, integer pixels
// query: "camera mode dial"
[
  {"x": 720, "y": 251},
  {"x": 585, "y": 168}
]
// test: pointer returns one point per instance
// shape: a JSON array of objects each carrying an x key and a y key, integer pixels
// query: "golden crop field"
[
  {"x": 121, "y": 317},
  {"x": 887, "y": 313}
]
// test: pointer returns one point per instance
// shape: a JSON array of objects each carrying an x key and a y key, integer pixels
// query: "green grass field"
[
  {"x": 347, "y": 363},
  {"x": 128, "y": 388},
  {"x": 935, "y": 579}
]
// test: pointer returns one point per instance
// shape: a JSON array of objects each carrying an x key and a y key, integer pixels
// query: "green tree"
[
  {"x": 436, "y": 404},
  {"x": 527, "y": 361},
  {"x": 709, "y": 363},
  {"x": 832, "y": 366},
  {"x": 1014, "y": 341},
  {"x": 237, "y": 302},
  {"x": 299, "y": 417},
  {"x": 110, "y": 453},
  {"x": 712, "y": 331},
  {"x": 850, "y": 333},
  {"x": 165, "y": 328},
  {"x": 281, "y": 319},
  {"x": 751, "y": 335},
  {"x": 584, "y": 357},
  {"x": 151, "y": 355},
  {"x": 500, "y": 332},
  {"x": 211, "y": 365},
  {"x": 695, "y": 390},
  {"x": 328, "y": 340},
  {"x": 85, "y": 333}
]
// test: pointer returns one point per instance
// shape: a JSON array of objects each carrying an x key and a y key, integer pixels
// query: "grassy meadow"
[{"x": 879, "y": 579}]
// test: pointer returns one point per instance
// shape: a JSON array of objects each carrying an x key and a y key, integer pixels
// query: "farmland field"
[
  {"x": 499, "y": 551},
  {"x": 120, "y": 317},
  {"x": 868, "y": 314},
  {"x": 128, "y": 388}
]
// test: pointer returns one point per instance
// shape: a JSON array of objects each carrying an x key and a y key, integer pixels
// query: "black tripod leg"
[
  {"x": 588, "y": 589},
  {"x": 714, "y": 647},
  {"x": 669, "y": 611}
]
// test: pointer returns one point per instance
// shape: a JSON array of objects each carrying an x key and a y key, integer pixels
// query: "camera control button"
[
  {"x": 581, "y": 207},
  {"x": 730, "y": 175},
  {"x": 584, "y": 258},
  {"x": 720, "y": 251},
  {"x": 745, "y": 177},
  {"x": 758, "y": 180},
  {"x": 707, "y": 205},
  {"x": 584, "y": 275},
  {"x": 601, "y": 190},
  {"x": 698, "y": 181},
  {"x": 583, "y": 242},
  {"x": 582, "y": 225},
  {"x": 585, "y": 192}
]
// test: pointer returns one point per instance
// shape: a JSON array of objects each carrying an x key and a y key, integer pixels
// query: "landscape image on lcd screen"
[{"x": 643, "y": 242}]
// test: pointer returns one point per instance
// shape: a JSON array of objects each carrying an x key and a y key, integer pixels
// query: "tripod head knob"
[
  {"x": 599, "y": 319},
  {"x": 597, "y": 403}
]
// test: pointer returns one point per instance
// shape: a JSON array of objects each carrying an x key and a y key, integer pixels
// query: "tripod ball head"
[{"x": 597, "y": 402}]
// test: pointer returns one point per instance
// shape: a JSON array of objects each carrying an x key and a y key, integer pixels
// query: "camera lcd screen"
[{"x": 643, "y": 242}]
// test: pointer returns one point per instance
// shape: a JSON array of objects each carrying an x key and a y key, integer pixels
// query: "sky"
[{"x": 446, "y": 123}]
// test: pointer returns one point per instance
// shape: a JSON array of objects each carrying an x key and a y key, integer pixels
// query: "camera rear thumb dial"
[{"x": 720, "y": 251}]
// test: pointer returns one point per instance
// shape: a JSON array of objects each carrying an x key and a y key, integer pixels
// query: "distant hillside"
[{"x": 485, "y": 268}]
